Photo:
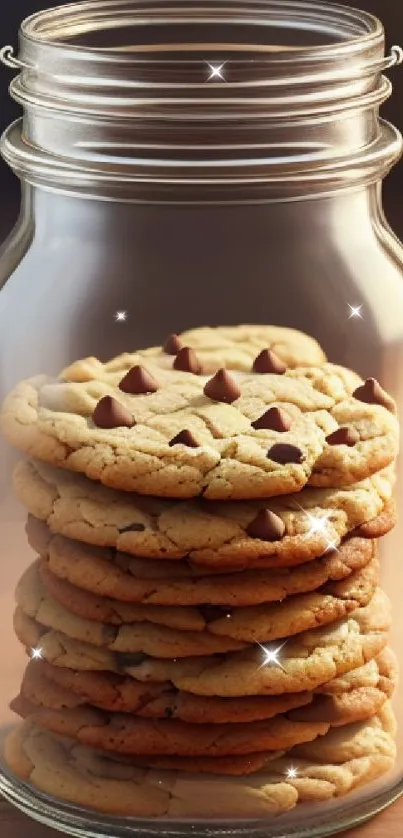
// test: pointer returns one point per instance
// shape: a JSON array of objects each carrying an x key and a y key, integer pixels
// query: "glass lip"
[{"x": 310, "y": 15}]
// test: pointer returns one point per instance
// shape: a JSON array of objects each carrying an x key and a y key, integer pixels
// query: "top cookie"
[
  {"x": 179, "y": 434},
  {"x": 232, "y": 347}
]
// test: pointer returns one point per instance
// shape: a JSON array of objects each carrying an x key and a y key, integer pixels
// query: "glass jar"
[{"x": 181, "y": 166}]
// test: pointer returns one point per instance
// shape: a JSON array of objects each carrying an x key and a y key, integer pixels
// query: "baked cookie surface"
[
  {"x": 107, "y": 576},
  {"x": 303, "y": 662},
  {"x": 356, "y": 696},
  {"x": 171, "y": 433},
  {"x": 80, "y": 775},
  {"x": 231, "y": 347},
  {"x": 287, "y": 530},
  {"x": 127, "y": 734},
  {"x": 333, "y": 577},
  {"x": 224, "y": 631}
]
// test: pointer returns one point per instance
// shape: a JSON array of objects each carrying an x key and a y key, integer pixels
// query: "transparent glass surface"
[{"x": 151, "y": 188}]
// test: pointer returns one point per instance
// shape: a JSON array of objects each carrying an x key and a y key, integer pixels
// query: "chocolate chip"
[
  {"x": 168, "y": 712},
  {"x": 267, "y": 526},
  {"x": 275, "y": 419},
  {"x": 222, "y": 388},
  {"x": 372, "y": 393},
  {"x": 126, "y": 659},
  {"x": 138, "y": 381},
  {"x": 184, "y": 437},
  {"x": 343, "y": 436},
  {"x": 187, "y": 361},
  {"x": 122, "y": 560},
  {"x": 133, "y": 528},
  {"x": 283, "y": 453},
  {"x": 173, "y": 345},
  {"x": 213, "y": 612},
  {"x": 268, "y": 361},
  {"x": 109, "y": 413}
]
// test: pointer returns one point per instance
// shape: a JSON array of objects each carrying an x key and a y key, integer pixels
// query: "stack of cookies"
[{"x": 204, "y": 619}]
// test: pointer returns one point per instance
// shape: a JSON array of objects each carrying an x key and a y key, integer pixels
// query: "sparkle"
[
  {"x": 121, "y": 316},
  {"x": 271, "y": 656},
  {"x": 291, "y": 773},
  {"x": 216, "y": 71},
  {"x": 36, "y": 654},
  {"x": 331, "y": 546},
  {"x": 319, "y": 525},
  {"x": 355, "y": 311}
]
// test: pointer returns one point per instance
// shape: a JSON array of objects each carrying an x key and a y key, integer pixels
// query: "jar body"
[
  {"x": 185, "y": 266},
  {"x": 303, "y": 264}
]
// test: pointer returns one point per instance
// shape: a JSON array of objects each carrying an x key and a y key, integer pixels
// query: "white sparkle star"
[
  {"x": 291, "y": 773},
  {"x": 319, "y": 524},
  {"x": 36, "y": 654},
  {"x": 216, "y": 71},
  {"x": 331, "y": 546},
  {"x": 355, "y": 311},
  {"x": 121, "y": 316},
  {"x": 271, "y": 656}
]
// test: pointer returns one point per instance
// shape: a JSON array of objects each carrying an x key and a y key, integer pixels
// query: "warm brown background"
[{"x": 390, "y": 823}]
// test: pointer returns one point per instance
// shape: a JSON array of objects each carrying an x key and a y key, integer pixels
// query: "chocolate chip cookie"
[
  {"x": 301, "y": 663},
  {"x": 222, "y": 632},
  {"x": 127, "y": 734},
  {"x": 173, "y": 433},
  {"x": 287, "y": 530},
  {"x": 362, "y": 694},
  {"x": 231, "y": 347},
  {"x": 80, "y": 775}
]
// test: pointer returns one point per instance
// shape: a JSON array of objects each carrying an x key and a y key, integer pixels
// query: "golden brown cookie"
[
  {"x": 210, "y": 590},
  {"x": 303, "y": 662},
  {"x": 122, "y": 694},
  {"x": 365, "y": 691},
  {"x": 348, "y": 743},
  {"x": 145, "y": 637},
  {"x": 361, "y": 694},
  {"x": 300, "y": 664},
  {"x": 90, "y": 570},
  {"x": 172, "y": 433},
  {"x": 222, "y": 631},
  {"x": 87, "y": 778},
  {"x": 233, "y": 347},
  {"x": 127, "y": 734},
  {"x": 289, "y": 530},
  {"x": 105, "y": 783},
  {"x": 352, "y": 739}
]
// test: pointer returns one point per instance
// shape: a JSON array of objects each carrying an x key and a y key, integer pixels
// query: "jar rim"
[
  {"x": 55, "y": 28},
  {"x": 122, "y": 115}
]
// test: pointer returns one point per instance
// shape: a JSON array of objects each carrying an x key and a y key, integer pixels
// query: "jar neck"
[
  {"x": 238, "y": 101},
  {"x": 353, "y": 212}
]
